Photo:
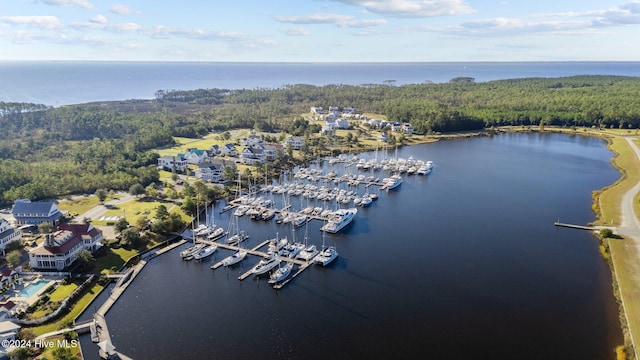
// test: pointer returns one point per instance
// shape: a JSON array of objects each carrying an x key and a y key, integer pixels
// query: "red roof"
[{"x": 76, "y": 232}]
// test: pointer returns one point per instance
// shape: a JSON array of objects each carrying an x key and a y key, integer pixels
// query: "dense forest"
[{"x": 47, "y": 152}]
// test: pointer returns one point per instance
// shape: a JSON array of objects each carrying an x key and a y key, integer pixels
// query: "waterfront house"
[
  {"x": 407, "y": 128},
  {"x": 253, "y": 155},
  {"x": 173, "y": 163},
  {"x": 296, "y": 142},
  {"x": 271, "y": 151},
  {"x": 8, "y": 234},
  {"x": 211, "y": 172},
  {"x": 61, "y": 247},
  {"x": 34, "y": 213},
  {"x": 229, "y": 150},
  {"x": 196, "y": 156}
]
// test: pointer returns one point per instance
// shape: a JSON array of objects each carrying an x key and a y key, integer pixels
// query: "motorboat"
[
  {"x": 205, "y": 252},
  {"x": 265, "y": 265},
  {"x": 366, "y": 201},
  {"x": 425, "y": 169},
  {"x": 326, "y": 256},
  {"x": 339, "y": 220},
  {"x": 393, "y": 182},
  {"x": 281, "y": 274},
  {"x": 308, "y": 253}
]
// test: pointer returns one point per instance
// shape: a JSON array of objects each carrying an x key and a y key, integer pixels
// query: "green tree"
[
  {"x": 130, "y": 237},
  {"x": 22, "y": 353},
  {"x": 121, "y": 224},
  {"x": 230, "y": 173},
  {"x": 63, "y": 353},
  {"x": 606, "y": 233},
  {"x": 86, "y": 259},
  {"x": 45, "y": 227},
  {"x": 101, "y": 194},
  {"x": 13, "y": 258},
  {"x": 136, "y": 189},
  {"x": 161, "y": 212}
]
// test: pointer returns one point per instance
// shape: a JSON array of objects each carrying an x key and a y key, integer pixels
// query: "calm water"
[
  {"x": 61, "y": 83},
  {"x": 463, "y": 263}
]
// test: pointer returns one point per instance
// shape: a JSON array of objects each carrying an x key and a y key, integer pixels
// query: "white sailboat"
[
  {"x": 281, "y": 274},
  {"x": 265, "y": 265},
  {"x": 327, "y": 255}
]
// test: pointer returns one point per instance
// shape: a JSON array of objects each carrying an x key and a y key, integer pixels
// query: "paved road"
[{"x": 629, "y": 224}]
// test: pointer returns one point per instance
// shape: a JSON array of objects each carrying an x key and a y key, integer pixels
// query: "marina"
[{"x": 261, "y": 205}]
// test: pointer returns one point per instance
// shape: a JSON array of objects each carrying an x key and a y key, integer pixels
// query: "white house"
[
  {"x": 296, "y": 142},
  {"x": 271, "y": 151},
  {"x": 61, "y": 247},
  {"x": 196, "y": 156},
  {"x": 252, "y": 140},
  {"x": 229, "y": 150},
  {"x": 348, "y": 110},
  {"x": 383, "y": 137},
  {"x": 169, "y": 163},
  {"x": 396, "y": 127},
  {"x": 407, "y": 128},
  {"x": 317, "y": 110},
  {"x": 210, "y": 172},
  {"x": 8, "y": 234},
  {"x": 334, "y": 110},
  {"x": 35, "y": 213},
  {"x": 252, "y": 155},
  {"x": 8, "y": 333}
]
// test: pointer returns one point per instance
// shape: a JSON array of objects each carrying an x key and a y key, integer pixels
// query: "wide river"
[{"x": 464, "y": 263}]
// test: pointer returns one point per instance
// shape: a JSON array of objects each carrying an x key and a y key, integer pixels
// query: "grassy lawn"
[
  {"x": 63, "y": 291},
  {"x": 625, "y": 258},
  {"x": 79, "y": 206},
  {"x": 75, "y": 311},
  {"x": 133, "y": 210},
  {"x": 203, "y": 143}
]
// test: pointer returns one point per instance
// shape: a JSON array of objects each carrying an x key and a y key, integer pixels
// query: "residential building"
[
  {"x": 348, "y": 110},
  {"x": 61, "y": 247},
  {"x": 214, "y": 150},
  {"x": 170, "y": 163},
  {"x": 296, "y": 142},
  {"x": 229, "y": 150},
  {"x": 383, "y": 137},
  {"x": 8, "y": 234},
  {"x": 7, "y": 310},
  {"x": 252, "y": 155},
  {"x": 334, "y": 110},
  {"x": 407, "y": 128},
  {"x": 252, "y": 140},
  {"x": 34, "y": 213},
  {"x": 8, "y": 277},
  {"x": 212, "y": 172},
  {"x": 317, "y": 110},
  {"x": 8, "y": 333},
  {"x": 271, "y": 151},
  {"x": 196, "y": 156}
]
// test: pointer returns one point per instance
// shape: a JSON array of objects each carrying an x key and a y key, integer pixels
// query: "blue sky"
[{"x": 320, "y": 30}]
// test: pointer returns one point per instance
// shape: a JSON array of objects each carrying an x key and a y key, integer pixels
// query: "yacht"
[
  {"x": 366, "y": 201},
  {"x": 235, "y": 258},
  {"x": 205, "y": 252},
  {"x": 326, "y": 256},
  {"x": 339, "y": 220},
  {"x": 425, "y": 169},
  {"x": 308, "y": 253},
  {"x": 281, "y": 274},
  {"x": 265, "y": 265},
  {"x": 393, "y": 182}
]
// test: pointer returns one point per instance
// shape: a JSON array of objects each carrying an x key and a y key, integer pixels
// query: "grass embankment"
[
  {"x": 75, "y": 311},
  {"x": 624, "y": 254}
]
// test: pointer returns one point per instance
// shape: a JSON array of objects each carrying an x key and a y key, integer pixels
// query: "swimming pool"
[{"x": 33, "y": 288}]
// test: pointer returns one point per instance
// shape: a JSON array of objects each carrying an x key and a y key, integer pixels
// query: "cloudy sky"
[{"x": 320, "y": 30}]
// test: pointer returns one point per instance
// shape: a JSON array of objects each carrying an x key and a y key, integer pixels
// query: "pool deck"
[{"x": 29, "y": 300}]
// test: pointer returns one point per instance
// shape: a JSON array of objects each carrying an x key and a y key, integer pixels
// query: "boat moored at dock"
[{"x": 340, "y": 219}]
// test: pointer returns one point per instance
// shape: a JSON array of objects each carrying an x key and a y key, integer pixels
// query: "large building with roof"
[
  {"x": 8, "y": 234},
  {"x": 34, "y": 213},
  {"x": 61, "y": 247}
]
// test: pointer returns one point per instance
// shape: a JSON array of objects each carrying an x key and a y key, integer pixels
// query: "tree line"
[{"x": 47, "y": 152}]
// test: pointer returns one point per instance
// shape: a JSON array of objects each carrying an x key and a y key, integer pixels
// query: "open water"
[
  {"x": 464, "y": 263},
  {"x": 63, "y": 83}
]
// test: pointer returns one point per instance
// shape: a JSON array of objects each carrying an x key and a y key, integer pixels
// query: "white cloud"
[
  {"x": 79, "y": 3},
  {"x": 122, "y": 9},
  {"x": 298, "y": 31},
  {"x": 412, "y": 8},
  {"x": 335, "y": 19},
  {"x": 98, "y": 19},
  {"x": 44, "y": 22}
]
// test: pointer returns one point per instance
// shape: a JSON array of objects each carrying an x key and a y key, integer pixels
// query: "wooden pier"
[{"x": 572, "y": 226}]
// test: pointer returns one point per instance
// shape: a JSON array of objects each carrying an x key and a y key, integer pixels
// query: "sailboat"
[
  {"x": 309, "y": 251},
  {"x": 265, "y": 265},
  {"x": 327, "y": 255},
  {"x": 205, "y": 252},
  {"x": 187, "y": 254},
  {"x": 235, "y": 258},
  {"x": 281, "y": 274}
]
